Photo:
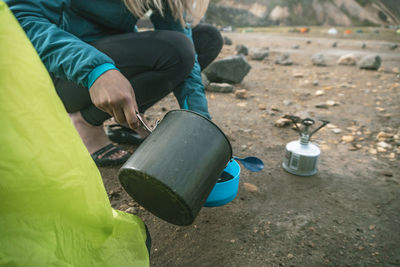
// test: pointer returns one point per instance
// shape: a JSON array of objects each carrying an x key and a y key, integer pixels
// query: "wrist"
[{"x": 98, "y": 71}]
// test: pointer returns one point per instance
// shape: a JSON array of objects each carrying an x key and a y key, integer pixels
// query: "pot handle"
[{"x": 144, "y": 125}]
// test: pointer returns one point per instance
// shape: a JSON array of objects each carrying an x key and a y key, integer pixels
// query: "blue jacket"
[{"x": 60, "y": 31}]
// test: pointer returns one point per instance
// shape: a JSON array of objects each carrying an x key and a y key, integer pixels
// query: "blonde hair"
[{"x": 194, "y": 8}]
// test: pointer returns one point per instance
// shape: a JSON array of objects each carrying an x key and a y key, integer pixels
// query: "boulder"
[
  {"x": 220, "y": 87},
  {"x": 318, "y": 60},
  {"x": 347, "y": 60},
  {"x": 370, "y": 62},
  {"x": 259, "y": 54},
  {"x": 242, "y": 50},
  {"x": 230, "y": 69},
  {"x": 227, "y": 41},
  {"x": 284, "y": 60},
  {"x": 393, "y": 46}
]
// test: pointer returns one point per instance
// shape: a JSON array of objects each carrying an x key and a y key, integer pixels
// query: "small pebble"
[
  {"x": 262, "y": 107},
  {"x": 241, "y": 94},
  {"x": 382, "y": 136},
  {"x": 325, "y": 106},
  {"x": 347, "y": 138},
  {"x": 381, "y": 149},
  {"x": 331, "y": 103},
  {"x": 373, "y": 151},
  {"x": 130, "y": 210},
  {"x": 336, "y": 130},
  {"x": 250, "y": 187},
  {"x": 282, "y": 122},
  {"x": 384, "y": 145}
]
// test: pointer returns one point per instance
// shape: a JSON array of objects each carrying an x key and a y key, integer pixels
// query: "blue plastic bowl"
[{"x": 225, "y": 192}]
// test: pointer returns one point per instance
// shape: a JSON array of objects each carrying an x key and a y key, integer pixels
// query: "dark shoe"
[
  {"x": 123, "y": 135},
  {"x": 102, "y": 157}
]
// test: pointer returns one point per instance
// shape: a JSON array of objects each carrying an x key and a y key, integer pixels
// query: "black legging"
[{"x": 155, "y": 62}]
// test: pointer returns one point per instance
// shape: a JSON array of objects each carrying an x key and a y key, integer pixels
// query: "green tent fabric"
[{"x": 54, "y": 210}]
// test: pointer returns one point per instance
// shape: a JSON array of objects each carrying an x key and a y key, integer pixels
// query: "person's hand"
[{"x": 113, "y": 93}]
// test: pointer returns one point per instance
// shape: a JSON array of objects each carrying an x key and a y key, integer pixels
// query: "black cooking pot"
[{"x": 173, "y": 171}]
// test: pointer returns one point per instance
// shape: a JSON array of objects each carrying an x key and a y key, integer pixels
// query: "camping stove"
[{"x": 301, "y": 156}]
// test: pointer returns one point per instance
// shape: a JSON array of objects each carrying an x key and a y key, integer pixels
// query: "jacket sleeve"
[
  {"x": 63, "y": 54},
  {"x": 190, "y": 94}
]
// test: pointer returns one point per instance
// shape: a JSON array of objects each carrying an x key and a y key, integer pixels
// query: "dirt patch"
[{"x": 346, "y": 215}]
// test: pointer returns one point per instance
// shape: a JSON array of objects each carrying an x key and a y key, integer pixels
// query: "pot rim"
[{"x": 202, "y": 116}]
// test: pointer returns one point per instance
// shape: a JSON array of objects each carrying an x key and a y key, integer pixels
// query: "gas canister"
[{"x": 301, "y": 156}]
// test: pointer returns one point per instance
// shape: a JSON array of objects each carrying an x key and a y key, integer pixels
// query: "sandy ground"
[{"x": 348, "y": 214}]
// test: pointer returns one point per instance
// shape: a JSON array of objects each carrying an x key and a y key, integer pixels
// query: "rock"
[
  {"x": 325, "y": 106},
  {"x": 349, "y": 60},
  {"x": 130, "y": 210},
  {"x": 332, "y": 103},
  {"x": 205, "y": 80},
  {"x": 250, "y": 187},
  {"x": 227, "y": 40},
  {"x": 370, "y": 62},
  {"x": 347, "y": 138},
  {"x": 391, "y": 156},
  {"x": 352, "y": 148},
  {"x": 335, "y": 44},
  {"x": 393, "y": 46},
  {"x": 381, "y": 149},
  {"x": 373, "y": 151},
  {"x": 292, "y": 118},
  {"x": 364, "y": 45},
  {"x": 282, "y": 122},
  {"x": 295, "y": 47},
  {"x": 123, "y": 207},
  {"x": 382, "y": 136},
  {"x": 242, "y": 50},
  {"x": 241, "y": 93},
  {"x": 319, "y": 92},
  {"x": 315, "y": 83},
  {"x": 287, "y": 102},
  {"x": 298, "y": 75},
  {"x": 262, "y": 107},
  {"x": 220, "y": 87},
  {"x": 318, "y": 60},
  {"x": 347, "y": 85},
  {"x": 276, "y": 109},
  {"x": 308, "y": 42},
  {"x": 385, "y": 145},
  {"x": 260, "y": 54},
  {"x": 290, "y": 256},
  {"x": 284, "y": 60},
  {"x": 387, "y": 173},
  {"x": 230, "y": 69},
  {"x": 336, "y": 130}
]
